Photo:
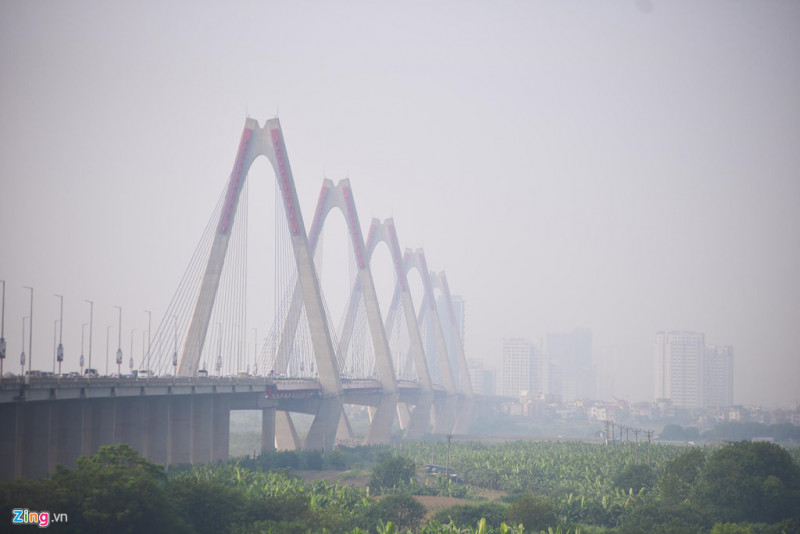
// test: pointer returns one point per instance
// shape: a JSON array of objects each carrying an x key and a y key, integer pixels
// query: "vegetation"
[{"x": 742, "y": 488}]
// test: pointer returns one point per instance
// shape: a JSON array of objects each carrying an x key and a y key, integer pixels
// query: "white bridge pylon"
[
  {"x": 267, "y": 141},
  {"x": 305, "y": 298},
  {"x": 340, "y": 196}
]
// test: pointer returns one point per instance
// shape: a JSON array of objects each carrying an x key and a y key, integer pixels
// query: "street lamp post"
[
  {"x": 119, "y": 344},
  {"x": 60, "y": 349},
  {"x": 3, "y": 330},
  {"x": 175, "y": 353},
  {"x": 91, "y": 322},
  {"x": 149, "y": 340},
  {"x": 255, "y": 352},
  {"x": 81, "y": 362},
  {"x": 131, "y": 360},
  {"x": 55, "y": 348},
  {"x": 22, "y": 355},
  {"x": 108, "y": 330},
  {"x": 30, "y": 333}
]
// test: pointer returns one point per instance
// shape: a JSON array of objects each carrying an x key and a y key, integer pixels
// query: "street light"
[
  {"x": 119, "y": 344},
  {"x": 3, "y": 330},
  {"x": 132, "y": 331},
  {"x": 255, "y": 353},
  {"x": 55, "y": 348},
  {"x": 83, "y": 326},
  {"x": 149, "y": 340},
  {"x": 91, "y": 322},
  {"x": 60, "y": 349},
  {"x": 30, "y": 333},
  {"x": 175, "y": 354},
  {"x": 22, "y": 356},
  {"x": 108, "y": 330}
]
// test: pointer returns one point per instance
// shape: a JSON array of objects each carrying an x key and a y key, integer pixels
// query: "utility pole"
[
  {"x": 612, "y": 432},
  {"x": 447, "y": 461},
  {"x": 649, "y": 435},
  {"x": 636, "y": 433}
]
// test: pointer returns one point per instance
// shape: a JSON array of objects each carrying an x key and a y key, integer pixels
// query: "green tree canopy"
[
  {"x": 746, "y": 481},
  {"x": 391, "y": 472}
]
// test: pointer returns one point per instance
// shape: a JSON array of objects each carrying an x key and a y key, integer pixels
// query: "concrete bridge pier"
[
  {"x": 131, "y": 422},
  {"x": 465, "y": 415},
  {"x": 322, "y": 434},
  {"x": 344, "y": 431},
  {"x": 69, "y": 431},
  {"x": 381, "y": 419},
  {"x": 285, "y": 434},
  {"x": 220, "y": 427},
  {"x": 268, "y": 419},
  {"x": 157, "y": 436},
  {"x": 445, "y": 414},
  {"x": 419, "y": 420}
]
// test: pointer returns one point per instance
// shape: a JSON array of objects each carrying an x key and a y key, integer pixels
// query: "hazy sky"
[{"x": 629, "y": 166}]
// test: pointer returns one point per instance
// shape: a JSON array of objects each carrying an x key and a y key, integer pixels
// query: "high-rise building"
[
  {"x": 482, "y": 379},
  {"x": 718, "y": 376},
  {"x": 573, "y": 375},
  {"x": 679, "y": 368},
  {"x": 521, "y": 368}
]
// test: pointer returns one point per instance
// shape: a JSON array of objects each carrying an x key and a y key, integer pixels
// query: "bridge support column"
[
  {"x": 420, "y": 417},
  {"x": 202, "y": 417},
  {"x": 344, "y": 432},
  {"x": 181, "y": 429},
  {"x": 131, "y": 422},
  {"x": 465, "y": 414},
  {"x": 268, "y": 429},
  {"x": 157, "y": 434},
  {"x": 285, "y": 434},
  {"x": 220, "y": 427},
  {"x": 101, "y": 423},
  {"x": 380, "y": 428},
  {"x": 11, "y": 441},
  {"x": 403, "y": 415},
  {"x": 322, "y": 434},
  {"x": 445, "y": 415},
  {"x": 69, "y": 431},
  {"x": 36, "y": 430}
]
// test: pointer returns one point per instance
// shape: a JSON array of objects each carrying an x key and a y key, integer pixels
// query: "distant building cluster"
[
  {"x": 563, "y": 369},
  {"x": 646, "y": 413},
  {"x": 691, "y": 374}
]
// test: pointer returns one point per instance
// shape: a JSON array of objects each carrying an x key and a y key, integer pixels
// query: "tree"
[
  {"x": 208, "y": 506},
  {"x": 391, "y": 472},
  {"x": 745, "y": 481},
  {"x": 679, "y": 476},
  {"x": 402, "y": 510},
  {"x": 533, "y": 512},
  {"x": 635, "y": 477},
  {"x": 468, "y": 515},
  {"x": 116, "y": 490}
]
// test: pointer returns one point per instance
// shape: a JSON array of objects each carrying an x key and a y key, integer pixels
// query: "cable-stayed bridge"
[{"x": 407, "y": 363}]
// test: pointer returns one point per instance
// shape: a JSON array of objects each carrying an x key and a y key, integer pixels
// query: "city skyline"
[{"x": 566, "y": 165}]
